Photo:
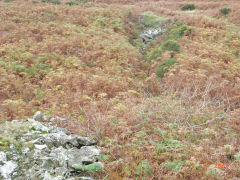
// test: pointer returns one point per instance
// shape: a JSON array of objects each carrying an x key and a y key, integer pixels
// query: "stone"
[
  {"x": 25, "y": 150},
  {"x": 40, "y": 147},
  {"x": 86, "y": 141},
  {"x": 39, "y": 126},
  {"x": 85, "y": 155},
  {"x": 38, "y": 116},
  {"x": 58, "y": 178},
  {"x": 3, "y": 157},
  {"x": 40, "y": 150},
  {"x": 47, "y": 176},
  {"x": 85, "y": 178},
  {"x": 7, "y": 169}
]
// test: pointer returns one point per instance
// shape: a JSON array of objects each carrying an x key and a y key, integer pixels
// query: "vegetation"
[
  {"x": 164, "y": 66},
  {"x": 157, "y": 108},
  {"x": 52, "y": 1},
  {"x": 188, "y": 7},
  {"x": 225, "y": 11}
]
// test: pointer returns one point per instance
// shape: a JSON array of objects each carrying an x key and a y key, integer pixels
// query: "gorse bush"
[
  {"x": 52, "y": 1},
  {"x": 164, "y": 67},
  {"x": 225, "y": 11},
  {"x": 188, "y": 7},
  {"x": 171, "y": 45}
]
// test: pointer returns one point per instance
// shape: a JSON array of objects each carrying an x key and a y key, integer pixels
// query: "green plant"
[
  {"x": 175, "y": 165},
  {"x": 225, "y": 11},
  {"x": 156, "y": 52},
  {"x": 188, "y": 7},
  {"x": 171, "y": 45},
  {"x": 7, "y": 1},
  {"x": 164, "y": 67},
  {"x": 82, "y": 1},
  {"x": 143, "y": 168},
  {"x": 178, "y": 32},
  {"x": 94, "y": 167},
  {"x": 52, "y": 1},
  {"x": 35, "y": 2},
  {"x": 71, "y": 3}
]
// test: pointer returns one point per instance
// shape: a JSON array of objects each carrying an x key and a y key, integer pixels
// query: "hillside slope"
[{"x": 160, "y": 108}]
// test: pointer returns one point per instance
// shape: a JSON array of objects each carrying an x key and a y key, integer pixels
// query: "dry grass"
[{"x": 77, "y": 62}]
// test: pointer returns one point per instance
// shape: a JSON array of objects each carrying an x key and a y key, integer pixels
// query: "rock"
[
  {"x": 39, "y": 150},
  {"x": 47, "y": 176},
  {"x": 39, "y": 126},
  {"x": 85, "y": 178},
  {"x": 59, "y": 119},
  {"x": 7, "y": 169},
  {"x": 58, "y": 178},
  {"x": 38, "y": 116},
  {"x": 85, "y": 141},
  {"x": 40, "y": 147},
  {"x": 61, "y": 171},
  {"x": 3, "y": 157},
  {"x": 25, "y": 150},
  {"x": 85, "y": 155},
  {"x": 60, "y": 155},
  {"x": 64, "y": 120}
]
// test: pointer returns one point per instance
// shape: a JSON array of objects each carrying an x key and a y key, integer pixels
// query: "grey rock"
[
  {"x": 38, "y": 116},
  {"x": 46, "y": 150},
  {"x": 25, "y": 150},
  {"x": 40, "y": 147},
  {"x": 61, "y": 171},
  {"x": 7, "y": 169},
  {"x": 39, "y": 126},
  {"x": 60, "y": 155},
  {"x": 85, "y": 178},
  {"x": 47, "y": 176},
  {"x": 3, "y": 157},
  {"x": 61, "y": 119},
  {"x": 86, "y": 141},
  {"x": 85, "y": 155},
  {"x": 58, "y": 178}
]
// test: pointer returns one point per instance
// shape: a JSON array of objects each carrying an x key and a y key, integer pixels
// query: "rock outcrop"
[{"x": 30, "y": 149}]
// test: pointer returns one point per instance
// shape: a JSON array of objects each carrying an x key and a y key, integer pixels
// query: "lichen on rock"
[{"x": 31, "y": 149}]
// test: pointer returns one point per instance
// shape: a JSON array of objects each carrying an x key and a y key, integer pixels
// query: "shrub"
[
  {"x": 188, "y": 7},
  {"x": 164, "y": 67},
  {"x": 35, "y": 2},
  {"x": 171, "y": 45},
  {"x": 7, "y": 1},
  {"x": 71, "y": 3},
  {"x": 52, "y": 1},
  {"x": 155, "y": 53},
  {"x": 178, "y": 32},
  {"x": 82, "y": 1},
  {"x": 225, "y": 11}
]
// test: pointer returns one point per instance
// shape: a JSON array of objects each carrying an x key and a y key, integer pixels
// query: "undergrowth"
[{"x": 157, "y": 108}]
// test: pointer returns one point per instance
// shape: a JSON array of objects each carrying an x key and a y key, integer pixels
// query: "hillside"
[{"x": 155, "y": 83}]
